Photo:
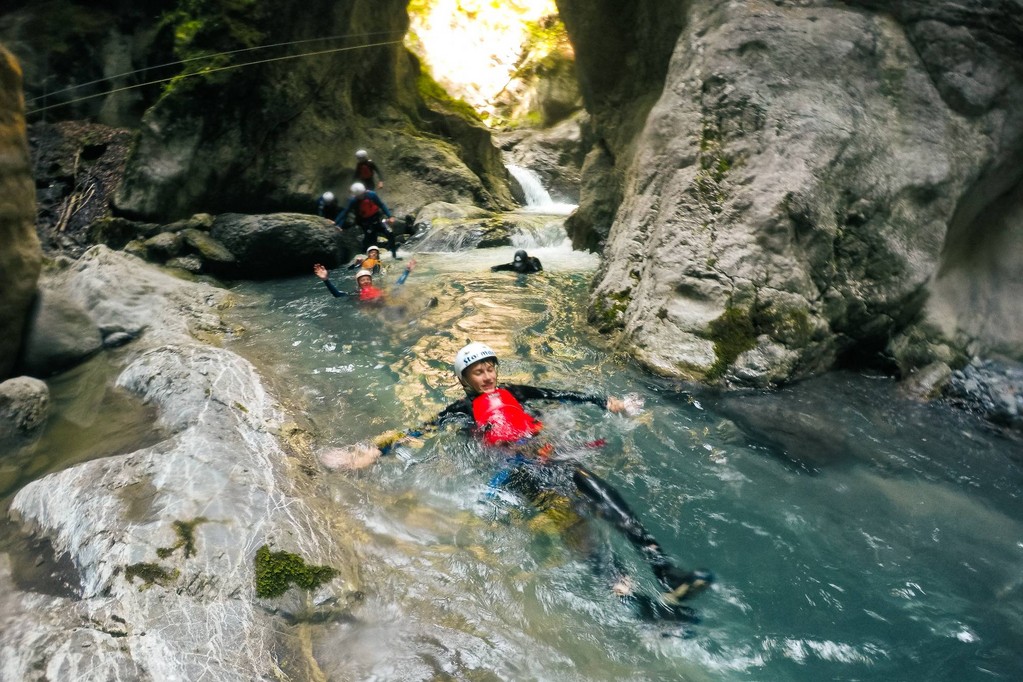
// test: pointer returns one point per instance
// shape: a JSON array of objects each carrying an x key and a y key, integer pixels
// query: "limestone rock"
[
  {"x": 278, "y": 244},
  {"x": 838, "y": 176},
  {"x": 61, "y": 334},
  {"x": 161, "y": 541},
  {"x": 20, "y": 254},
  {"x": 24, "y": 407}
]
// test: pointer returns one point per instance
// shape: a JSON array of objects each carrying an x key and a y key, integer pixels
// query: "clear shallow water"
[{"x": 855, "y": 536}]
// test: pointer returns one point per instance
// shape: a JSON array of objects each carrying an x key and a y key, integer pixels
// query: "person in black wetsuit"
[
  {"x": 522, "y": 263},
  {"x": 327, "y": 206},
  {"x": 563, "y": 489}
]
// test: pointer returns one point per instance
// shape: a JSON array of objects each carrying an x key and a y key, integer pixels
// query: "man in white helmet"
[
  {"x": 327, "y": 206},
  {"x": 371, "y": 214},
  {"x": 366, "y": 171},
  {"x": 569, "y": 494}
]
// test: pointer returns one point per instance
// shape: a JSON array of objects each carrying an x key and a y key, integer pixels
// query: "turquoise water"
[{"x": 882, "y": 542}]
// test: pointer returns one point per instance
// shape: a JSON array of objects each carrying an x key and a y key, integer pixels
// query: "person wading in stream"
[{"x": 563, "y": 489}]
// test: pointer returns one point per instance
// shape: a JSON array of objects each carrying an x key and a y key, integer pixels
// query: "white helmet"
[
  {"x": 373, "y": 248},
  {"x": 363, "y": 273},
  {"x": 357, "y": 188},
  {"x": 362, "y": 155},
  {"x": 328, "y": 196},
  {"x": 472, "y": 354}
]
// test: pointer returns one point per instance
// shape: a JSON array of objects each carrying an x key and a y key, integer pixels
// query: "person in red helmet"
[{"x": 564, "y": 489}]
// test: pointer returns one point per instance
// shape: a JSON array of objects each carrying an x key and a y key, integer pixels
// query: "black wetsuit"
[
  {"x": 528, "y": 265},
  {"x": 567, "y": 489}
]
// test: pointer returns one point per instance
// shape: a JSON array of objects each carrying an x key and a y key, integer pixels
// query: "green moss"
[
  {"x": 204, "y": 31},
  {"x": 607, "y": 311},
  {"x": 278, "y": 571},
  {"x": 149, "y": 573},
  {"x": 733, "y": 333},
  {"x": 185, "y": 531},
  {"x": 432, "y": 93}
]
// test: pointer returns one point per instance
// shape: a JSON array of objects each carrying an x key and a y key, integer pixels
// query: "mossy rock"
[{"x": 276, "y": 572}]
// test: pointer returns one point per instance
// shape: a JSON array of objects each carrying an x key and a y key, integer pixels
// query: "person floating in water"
[
  {"x": 522, "y": 263},
  {"x": 564, "y": 489},
  {"x": 371, "y": 215},
  {"x": 363, "y": 280}
]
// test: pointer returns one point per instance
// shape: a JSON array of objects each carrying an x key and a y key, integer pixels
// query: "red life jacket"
[
  {"x": 367, "y": 208},
  {"x": 370, "y": 293},
  {"x": 501, "y": 418},
  {"x": 364, "y": 170}
]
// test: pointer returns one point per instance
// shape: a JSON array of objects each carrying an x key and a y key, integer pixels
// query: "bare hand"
[
  {"x": 411, "y": 264},
  {"x": 357, "y": 456},
  {"x": 380, "y": 184},
  {"x": 630, "y": 405},
  {"x": 320, "y": 272}
]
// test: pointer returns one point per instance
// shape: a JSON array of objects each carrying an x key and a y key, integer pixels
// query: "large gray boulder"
[
  {"x": 278, "y": 244},
  {"x": 161, "y": 542},
  {"x": 24, "y": 407},
  {"x": 813, "y": 183},
  {"x": 60, "y": 333},
  {"x": 20, "y": 253}
]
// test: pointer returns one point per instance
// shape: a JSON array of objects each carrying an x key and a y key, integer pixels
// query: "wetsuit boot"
[{"x": 612, "y": 508}]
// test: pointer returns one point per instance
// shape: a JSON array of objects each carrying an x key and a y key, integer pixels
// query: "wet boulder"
[
  {"x": 281, "y": 244},
  {"x": 24, "y": 407},
  {"x": 60, "y": 335}
]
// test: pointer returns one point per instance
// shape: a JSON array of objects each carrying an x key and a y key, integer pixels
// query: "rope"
[
  {"x": 209, "y": 71},
  {"x": 208, "y": 56}
]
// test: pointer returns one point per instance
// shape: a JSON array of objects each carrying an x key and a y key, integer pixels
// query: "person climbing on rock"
[
  {"x": 327, "y": 206},
  {"x": 565, "y": 490},
  {"x": 365, "y": 290},
  {"x": 522, "y": 263},
  {"x": 371, "y": 214},
  {"x": 366, "y": 171}
]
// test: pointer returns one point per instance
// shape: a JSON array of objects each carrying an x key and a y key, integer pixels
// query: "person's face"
[
  {"x": 364, "y": 282},
  {"x": 481, "y": 377},
  {"x": 374, "y": 254}
]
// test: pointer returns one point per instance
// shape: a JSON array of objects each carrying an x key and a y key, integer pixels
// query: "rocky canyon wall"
[
  {"x": 21, "y": 256},
  {"x": 813, "y": 183}
]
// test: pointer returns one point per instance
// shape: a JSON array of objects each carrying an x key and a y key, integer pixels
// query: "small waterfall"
[{"x": 538, "y": 199}]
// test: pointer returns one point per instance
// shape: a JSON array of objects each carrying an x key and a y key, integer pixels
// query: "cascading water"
[{"x": 538, "y": 199}]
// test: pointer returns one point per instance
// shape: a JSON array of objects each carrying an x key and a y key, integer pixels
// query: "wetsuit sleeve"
[
  {"x": 376, "y": 169},
  {"x": 334, "y": 290},
  {"x": 404, "y": 276},
  {"x": 381, "y": 204},
  {"x": 524, "y": 393},
  {"x": 340, "y": 220},
  {"x": 535, "y": 262},
  {"x": 502, "y": 267},
  {"x": 459, "y": 412}
]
